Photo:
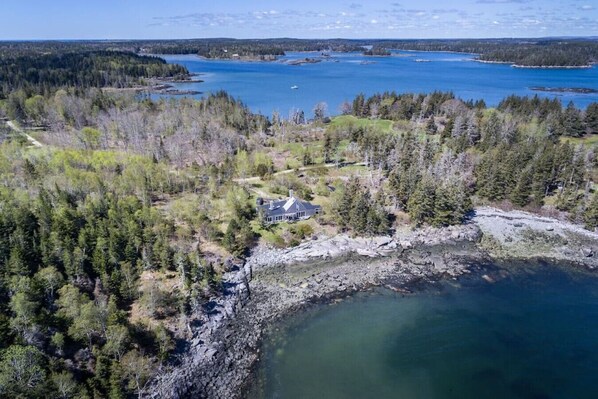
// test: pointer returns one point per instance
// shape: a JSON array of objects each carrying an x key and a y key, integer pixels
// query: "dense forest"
[
  {"x": 524, "y": 52},
  {"x": 98, "y": 281},
  {"x": 461, "y": 152},
  {"x": 44, "y": 73},
  {"x": 116, "y": 230}
]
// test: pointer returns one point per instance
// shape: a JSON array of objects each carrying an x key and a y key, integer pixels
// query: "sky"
[{"x": 178, "y": 19}]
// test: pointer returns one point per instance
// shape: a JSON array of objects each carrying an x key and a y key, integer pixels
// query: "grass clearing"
[
  {"x": 349, "y": 121},
  {"x": 590, "y": 140}
]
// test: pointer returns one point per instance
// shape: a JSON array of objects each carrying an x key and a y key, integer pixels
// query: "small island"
[
  {"x": 377, "y": 51},
  {"x": 304, "y": 61}
]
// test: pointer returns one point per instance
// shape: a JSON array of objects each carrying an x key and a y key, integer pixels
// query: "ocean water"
[
  {"x": 531, "y": 335},
  {"x": 266, "y": 86}
]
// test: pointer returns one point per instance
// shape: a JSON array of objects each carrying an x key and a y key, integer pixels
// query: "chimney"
[
  {"x": 290, "y": 193},
  {"x": 271, "y": 204}
]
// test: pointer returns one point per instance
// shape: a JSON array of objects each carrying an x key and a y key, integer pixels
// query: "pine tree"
[
  {"x": 572, "y": 121},
  {"x": 359, "y": 105},
  {"x": 590, "y": 216},
  {"x": 345, "y": 204},
  {"x": 522, "y": 191},
  {"x": 421, "y": 203},
  {"x": 591, "y": 118},
  {"x": 358, "y": 215},
  {"x": 490, "y": 132},
  {"x": 230, "y": 236},
  {"x": 117, "y": 388},
  {"x": 444, "y": 207}
]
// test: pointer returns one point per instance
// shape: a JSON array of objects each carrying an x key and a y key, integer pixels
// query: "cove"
[
  {"x": 530, "y": 335},
  {"x": 266, "y": 86}
]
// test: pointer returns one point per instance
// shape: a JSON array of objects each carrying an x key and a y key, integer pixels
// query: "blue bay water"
[
  {"x": 532, "y": 335},
  {"x": 266, "y": 86}
]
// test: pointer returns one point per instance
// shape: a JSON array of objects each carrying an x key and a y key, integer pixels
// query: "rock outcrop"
[
  {"x": 522, "y": 235},
  {"x": 275, "y": 282}
]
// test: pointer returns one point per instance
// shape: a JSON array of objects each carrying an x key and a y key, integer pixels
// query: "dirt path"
[{"x": 31, "y": 140}]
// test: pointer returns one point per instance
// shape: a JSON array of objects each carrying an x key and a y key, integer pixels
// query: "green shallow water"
[{"x": 533, "y": 334}]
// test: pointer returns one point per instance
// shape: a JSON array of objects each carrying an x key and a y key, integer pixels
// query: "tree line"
[
  {"x": 524, "y": 52},
  {"x": 45, "y": 73}
]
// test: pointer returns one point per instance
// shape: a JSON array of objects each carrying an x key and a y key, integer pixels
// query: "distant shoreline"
[
  {"x": 535, "y": 66},
  {"x": 577, "y": 90},
  {"x": 277, "y": 58},
  {"x": 552, "y": 66}
]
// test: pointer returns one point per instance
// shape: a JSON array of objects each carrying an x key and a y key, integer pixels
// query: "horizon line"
[{"x": 592, "y": 37}]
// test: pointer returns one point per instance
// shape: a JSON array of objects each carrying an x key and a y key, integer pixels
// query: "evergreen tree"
[
  {"x": 590, "y": 215},
  {"x": 572, "y": 121},
  {"x": 522, "y": 191},
  {"x": 444, "y": 207},
  {"x": 591, "y": 118},
  {"x": 490, "y": 132},
  {"x": 345, "y": 204},
  {"x": 421, "y": 203},
  {"x": 358, "y": 215},
  {"x": 359, "y": 105}
]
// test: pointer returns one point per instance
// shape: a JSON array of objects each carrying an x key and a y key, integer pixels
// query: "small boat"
[{"x": 294, "y": 87}]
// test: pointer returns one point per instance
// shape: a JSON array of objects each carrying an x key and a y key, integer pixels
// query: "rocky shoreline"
[{"x": 274, "y": 283}]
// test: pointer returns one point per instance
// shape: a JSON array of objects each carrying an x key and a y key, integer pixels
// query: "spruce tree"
[
  {"x": 490, "y": 132},
  {"x": 590, "y": 216},
  {"x": 444, "y": 207},
  {"x": 520, "y": 195},
  {"x": 591, "y": 118},
  {"x": 421, "y": 203},
  {"x": 572, "y": 122},
  {"x": 358, "y": 215}
]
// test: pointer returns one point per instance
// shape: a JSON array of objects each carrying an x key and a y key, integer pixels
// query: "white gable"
[{"x": 290, "y": 202}]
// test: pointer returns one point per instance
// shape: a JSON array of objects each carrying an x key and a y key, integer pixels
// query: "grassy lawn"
[
  {"x": 590, "y": 140},
  {"x": 345, "y": 121}
]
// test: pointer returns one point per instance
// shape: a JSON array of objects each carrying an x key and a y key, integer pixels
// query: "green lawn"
[
  {"x": 343, "y": 121},
  {"x": 590, "y": 140}
]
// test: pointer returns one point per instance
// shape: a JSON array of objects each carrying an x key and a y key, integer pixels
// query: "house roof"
[{"x": 289, "y": 205}]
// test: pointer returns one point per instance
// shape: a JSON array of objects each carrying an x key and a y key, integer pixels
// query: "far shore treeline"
[
  {"x": 118, "y": 222},
  {"x": 541, "y": 52}
]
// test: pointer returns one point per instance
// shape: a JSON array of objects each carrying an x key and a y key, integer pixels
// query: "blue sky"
[{"x": 137, "y": 19}]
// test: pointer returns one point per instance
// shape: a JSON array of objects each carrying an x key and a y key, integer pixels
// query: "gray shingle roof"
[{"x": 289, "y": 205}]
